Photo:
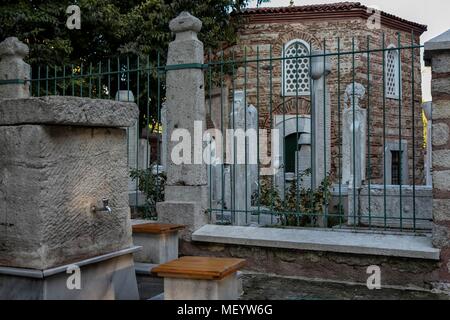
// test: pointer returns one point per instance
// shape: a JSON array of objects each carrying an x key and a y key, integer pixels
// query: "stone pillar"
[
  {"x": 244, "y": 176},
  {"x": 303, "y": 160},
  {"x": 427, "y": 107},
  {"x": 165, "y": 139},
  {"x": 60, "y": 157},
  {"x": 186, "y": 194},
  {"x": 321, "y": 115},
  {"x": 437, "y": 55},
  {"x": 15, "y": 73},
  {"x": 321, "y": 124}
]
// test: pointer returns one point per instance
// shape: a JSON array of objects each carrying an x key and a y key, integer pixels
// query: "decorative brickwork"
[{"x": 263, "y": 81}]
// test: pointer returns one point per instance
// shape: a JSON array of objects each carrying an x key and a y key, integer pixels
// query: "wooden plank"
[
  {"x": 157, "y": 228},
  {"x": 200, "y": 268}
]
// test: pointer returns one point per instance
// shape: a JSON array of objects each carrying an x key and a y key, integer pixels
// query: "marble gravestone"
[
  {"x": 354, "y": 136},
  {"x": 243, "y": 119}
]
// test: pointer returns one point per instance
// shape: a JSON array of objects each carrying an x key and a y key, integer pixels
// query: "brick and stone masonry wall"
[
  {"x": 254, "y": 38},
  {"x": 437, "y": 53}
]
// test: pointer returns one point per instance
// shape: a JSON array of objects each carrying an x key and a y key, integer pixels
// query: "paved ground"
[{"x": 262, "y": 287}]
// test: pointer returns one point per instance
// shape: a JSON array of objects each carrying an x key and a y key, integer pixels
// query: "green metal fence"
[
  {"x": 390, "y": 195},
  {"x": 386, "y": 193},
  {"x": 139, "y": 79}
]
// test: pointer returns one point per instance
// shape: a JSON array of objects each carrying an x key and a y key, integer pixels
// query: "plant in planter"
[
  {"x": 152, "y": 185},
  {"x": 301, "y": 206}
]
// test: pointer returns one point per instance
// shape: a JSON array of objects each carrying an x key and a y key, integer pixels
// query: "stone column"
[
  {"x": 321, "y": 114},
  {"x": 321, "y": 124},
  {"x": 245, "y": 170},
  {"x": 15, "y": 72},
  {"x": 186, "y": 194},
  {"x": 427, "y": 108},
  {"x": 437, "y": 55}
]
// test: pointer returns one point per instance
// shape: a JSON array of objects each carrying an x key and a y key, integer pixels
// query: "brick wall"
[{"x": 269, "y": 38}]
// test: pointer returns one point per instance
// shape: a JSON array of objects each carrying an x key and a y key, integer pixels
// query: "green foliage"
[
  {"x": 301, "y": 206},
  {"x": 109, "y": 28},
  {"x": 153, "y": 186}
]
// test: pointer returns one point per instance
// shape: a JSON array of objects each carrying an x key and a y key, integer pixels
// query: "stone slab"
[
  {"x": 73, "y": 111},
  {"x": 372, "y": 209},
  {"x": 191, "y": 214},
  {"x": 188, "y": 289},
  {"x": 156, "y": 248},
  {"x": 105, "y": 278},
  {"x": 441, "y": 42},
  {"x": 50, "y": 178},
  {"x": 407, "y": 246}
]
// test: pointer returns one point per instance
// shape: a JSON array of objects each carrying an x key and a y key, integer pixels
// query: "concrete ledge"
[
  {"x": 406, "y": 246},
  {"x": 41, "y": 274}
]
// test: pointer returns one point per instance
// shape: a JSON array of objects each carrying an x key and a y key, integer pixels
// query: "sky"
[{"x": 433, "y": 13}]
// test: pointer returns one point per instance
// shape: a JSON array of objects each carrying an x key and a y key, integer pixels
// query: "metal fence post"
[{"x": 186, "y": 193}]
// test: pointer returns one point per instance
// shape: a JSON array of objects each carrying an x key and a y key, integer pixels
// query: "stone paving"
[{"x": 266, "y": 287}]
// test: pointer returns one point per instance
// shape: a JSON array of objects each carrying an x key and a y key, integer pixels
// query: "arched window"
[
  {"x": 393, "y": 72},
  {"x": 296, "y": 79},
  {"x": 291, "y": 148}
]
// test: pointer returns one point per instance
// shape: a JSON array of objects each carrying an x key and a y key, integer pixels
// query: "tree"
[{"x": 110, "y": 28}]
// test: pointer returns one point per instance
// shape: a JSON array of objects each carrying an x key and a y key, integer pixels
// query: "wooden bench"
[
  {"x": 159, "y": 242},
  {"x": 200, "y": 278}
]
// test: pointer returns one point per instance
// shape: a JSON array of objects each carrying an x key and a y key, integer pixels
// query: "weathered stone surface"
[
  {"x": 441, "y": 109},
  {"x": 440, "y": 134},
  {"x": 113, "y": 278},
  {"x": 184, "y": 107},
  {"x": 320, "y": 240},
  {"x": 185, "y": 22},
  {"x": 187, "y": 289},
  {"x": 50, "y": 178},
  {"x": 441, "y": 159},
  {"x": 156, "y": 248},
  {"x": 372, "y": 210},
  {"x": 71, "y": 111},
  {"x": 401, "y": 272},
  {"x": 441, "y": 180},
  {"x": 13, "y": 68},
  {"x": 191, "y": 214},
  {"x": 269, "y": 287},
  {"x": 441, "y": 42},
  {"x": 441, "y": 236}
]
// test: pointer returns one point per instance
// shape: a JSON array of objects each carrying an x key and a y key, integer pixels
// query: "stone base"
[
  {"x": 108, "y": 277},
  {"x": 423, "y": 202},
  {"x": 191, "y": 289},
  {"x": 156, "y": 248},
  {"x": 190, "y": 214}
]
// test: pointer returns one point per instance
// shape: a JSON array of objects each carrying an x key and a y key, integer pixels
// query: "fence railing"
[
  {"x": 340, "y": 122},
  {"x": 128, "y": 78},
  {"x": 350, "y": 141}
]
